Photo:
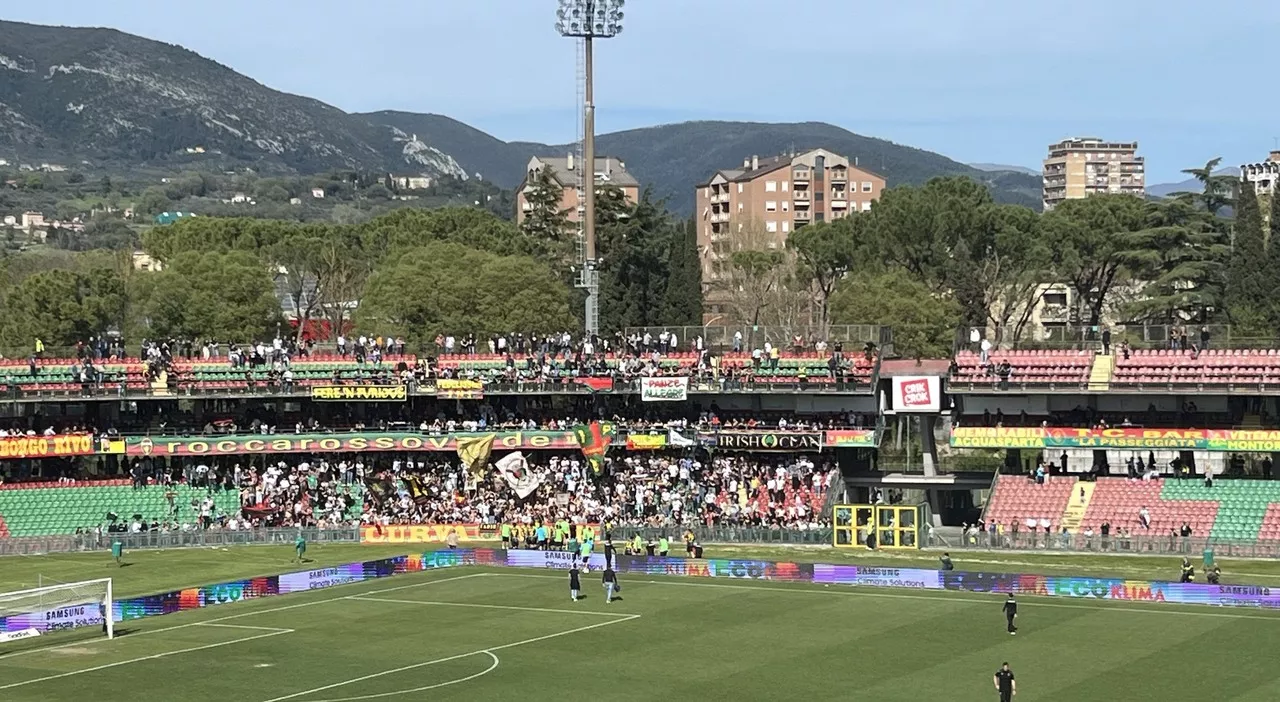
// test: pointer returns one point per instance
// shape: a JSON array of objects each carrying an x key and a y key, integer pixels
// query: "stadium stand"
[
  {"x": 35, "y": 509},
  {"x": 1215, "y": 367},
  {"x": 1232, "y": 510},
  {"x": 1034, "y": 368}
]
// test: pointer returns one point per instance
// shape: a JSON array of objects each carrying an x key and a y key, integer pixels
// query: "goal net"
[{"x": 42, "y": 610}]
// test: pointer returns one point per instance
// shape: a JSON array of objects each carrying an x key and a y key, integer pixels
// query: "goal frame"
[{"x": 106, "y": 602}]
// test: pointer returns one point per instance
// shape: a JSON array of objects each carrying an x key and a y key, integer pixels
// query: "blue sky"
[{"x": 977, "y": 80}]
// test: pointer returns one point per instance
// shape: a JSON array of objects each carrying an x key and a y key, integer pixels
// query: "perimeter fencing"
[
  {"x": 1146, "y": 544},
  {"x": 69, "y": 543}
]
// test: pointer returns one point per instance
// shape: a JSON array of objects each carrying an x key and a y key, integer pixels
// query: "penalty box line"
[
  {"x": 239, "y": 615},
  {"x": 269, "y": 632},
  {"x": 616, "y": 619},
  {"x": 1179, "y": 608}
]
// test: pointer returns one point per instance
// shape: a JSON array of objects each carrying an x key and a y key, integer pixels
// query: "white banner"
[
  {"x": 917, "y": 393},
  {"x": 515, "y": 470},
  {"x": 664, "y": 389},
  {"x": 675, "y": 438}
]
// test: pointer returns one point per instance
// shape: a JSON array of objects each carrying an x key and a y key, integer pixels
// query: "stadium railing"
[
  {"x": 1134, "y": 544},
  {"x": 726, "y": 535},
  {"x": 67, "y": 543}
]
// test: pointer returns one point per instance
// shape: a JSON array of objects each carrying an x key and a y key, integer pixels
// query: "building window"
[
  {"x": 786, "y": 185},
  {"x": 786, "y": 206},
  {"x": 771, "y": 226},
  {"x": 739, "y": 187},
  {"x": 866, "y": 206},
  {"x": 819, "y": 216},
  {"x": 770, "y": 206},
  {"x": 771, "y": 186},
  {"x": 739, "y": 206},
  {"x": 786, "y": 226},
  {"x": 866, "y": 186}
]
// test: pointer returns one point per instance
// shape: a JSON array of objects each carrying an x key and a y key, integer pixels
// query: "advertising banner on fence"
[
  {"x": 769, "y": 440},
  {"x": 56, "y": 446},
  {"x": 359, "y": 393},
  {"x": 850, "y": 438},
  {"x": 340, "y": 443},
  {"x": 663, "y": 389},
  {"x": 426, "y": 533},
  {"x": 877, "y": 577},
  {"x": 646, "y": 442},
  {"x": 1225, "y": 440},
  {"x": 459, "y": 389},
  {"x": 917, "y": 393}
]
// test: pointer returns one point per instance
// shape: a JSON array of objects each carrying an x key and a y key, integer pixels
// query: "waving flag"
[
  {"x": 474, "y": 452},
  {"x": 595, "y": 439},
  {"x": 515, "y": 470}
]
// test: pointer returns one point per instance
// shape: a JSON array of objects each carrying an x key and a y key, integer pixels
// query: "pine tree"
[
  {"x": 1271, "y": 269},
  {"x": 544, "y": 219},
  {"x": 682, "y": 300},
  {"x": 1247, "y": 295}
]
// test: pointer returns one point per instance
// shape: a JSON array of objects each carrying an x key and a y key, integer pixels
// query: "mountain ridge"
[{"x": 106, "y": 97}]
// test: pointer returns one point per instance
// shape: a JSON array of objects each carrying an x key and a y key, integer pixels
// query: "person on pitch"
[
  {"x": 1011, "y": 612},
  {"x": 1005, "y": 684},
  {"x": 575, "y": 585},
  {"x": 610, "y": 581}
]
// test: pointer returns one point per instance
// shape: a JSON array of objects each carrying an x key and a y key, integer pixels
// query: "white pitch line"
[
  {"x": 238, "y": 615},
  {"x": 490, "y": 649},
  {"x": 250, "y": 628},
  {"x": 950, "y": 596},
  {"x": 156, "y": 656},
  {"x": 488, "y": 606},
  {"x": 492, "y": 667}
]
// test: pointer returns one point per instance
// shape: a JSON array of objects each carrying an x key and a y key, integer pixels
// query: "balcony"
[
  {"x": 839, "y": 203},
  {"x": 719, "y": 197},
  {"x": 801, "y": 196},
  {"x": 1050, "y": 313},
  {"x": 800, "y": 176},
  {"x": 839, "y": 175},
  {"x": 802, "y": 216}
]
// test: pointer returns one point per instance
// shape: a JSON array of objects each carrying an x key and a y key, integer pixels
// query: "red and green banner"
[
  {"x": 850, "y": 438},
  {"x": 595, "y": 439},
  {"x": 341, "y": 443},
  {"x": 1224, "y": 440}
]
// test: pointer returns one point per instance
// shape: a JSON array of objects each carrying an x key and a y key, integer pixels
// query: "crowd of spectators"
[{"x": 655, "y": 490}]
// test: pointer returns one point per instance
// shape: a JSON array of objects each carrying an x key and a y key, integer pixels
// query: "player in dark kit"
[
  {"x": 1011, "y": 613},
  {"x": 1005, "y": 684},
  {"x": 575, "y": 585}
]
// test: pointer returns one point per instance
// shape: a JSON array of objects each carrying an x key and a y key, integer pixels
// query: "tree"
[
  {"x": 153, "y": 201},
  {"x": 344, "y": 267},
  {"x": 825, "y": 252},
  {"x": 923, "y": 322},
  {"x": 1272, "y": 267},
  {"x": 682, "y": 299},
  {"x": 1248, "y": 298},
  {"x": 1091, "y": 240},
  {"x": 1180, "y": 258},
  {"x": 227, "y": 296},
  {"x": 421, "y": 294},
  {"x": 543, "y": 217},
  {"x": 634, "y": 242},
  {"x": 755, "y": 280},
  {"x": 62, "y": 307},
  {"x": 1216, "y": 190}
]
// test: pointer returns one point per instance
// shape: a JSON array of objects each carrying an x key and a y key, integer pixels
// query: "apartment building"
[
  {"x": 1263, "y": 175},
  {"x": 1080, "y": 167},
  {"x": 567, "y": 173},
  {"x": 774, "y": 196}
]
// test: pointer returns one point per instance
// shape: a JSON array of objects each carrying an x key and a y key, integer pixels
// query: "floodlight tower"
[{"x": 587, "y": 20}]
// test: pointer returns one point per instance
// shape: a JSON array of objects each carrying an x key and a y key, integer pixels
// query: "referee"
[
  {"x": 1010, "y": 613},
  {"x": 1005, "y": 684}
]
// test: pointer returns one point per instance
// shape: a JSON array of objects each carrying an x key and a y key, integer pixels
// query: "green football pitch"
[{"x": 499, "y": 634}]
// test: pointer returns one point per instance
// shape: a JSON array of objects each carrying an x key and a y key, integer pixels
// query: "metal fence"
[
  {"x": 721, "y": 338},
  {"x": 1134, "y": 544},
  {"x": 1138, "y": 336},
  {"x": 728, "y": 535},
  {"x": 68, "y": 543}
]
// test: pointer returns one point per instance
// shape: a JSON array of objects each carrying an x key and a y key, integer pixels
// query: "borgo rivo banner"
[{"x": 663, "y": 389}]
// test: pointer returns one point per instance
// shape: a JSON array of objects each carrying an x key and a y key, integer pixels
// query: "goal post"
[{"x": 43, "y": 610}]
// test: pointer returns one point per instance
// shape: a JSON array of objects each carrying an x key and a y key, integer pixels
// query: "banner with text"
[
  {"x": 57, "y": 446},
  {"x": 340, "y": 443},
  {"x": 426, "y": 533},
  {"x": 664, "y": 389},
  {"x": 1223, "y": 440},
  {"x": 459, "y": 389},
  {"x": 359, "y": 393},
  {"x": 769, "y": 440},
  {"x": 850, "y": 438}
]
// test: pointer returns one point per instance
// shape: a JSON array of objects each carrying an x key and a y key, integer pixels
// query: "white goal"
[{"x": 43, "y": 610}]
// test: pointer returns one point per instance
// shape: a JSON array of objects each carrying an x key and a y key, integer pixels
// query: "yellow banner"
[
  {"x": 474, "y": 453},
  {"x": 459, "y": 389},
  {"x": 370, "y": 393}
]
